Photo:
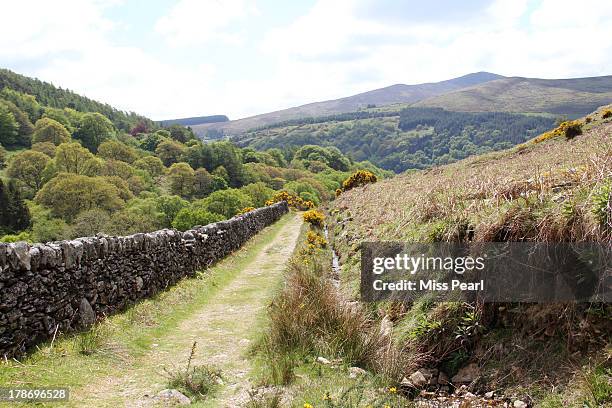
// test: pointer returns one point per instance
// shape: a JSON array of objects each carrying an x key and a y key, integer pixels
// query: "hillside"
[
  {"x": 413, "y": 138},
  {"x": 573, "y": 97},
  {"x": 551, "y": 189},
  {"x": 398, "y": 93},
  {"x": 48, "y": 95}
]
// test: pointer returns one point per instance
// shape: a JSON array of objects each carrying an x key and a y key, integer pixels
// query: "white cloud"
[
  {"x": 194, "y": 22},
  {"x": 334, "y": 50}
]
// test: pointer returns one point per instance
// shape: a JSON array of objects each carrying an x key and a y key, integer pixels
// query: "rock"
[
  {"x": 488, "y": 395},
  {"x": 467, "y": 374},
  {"x": 519, "y": 404},
  {"x": 139, "y": 283},
  {"x": 323, "y": 360},
  {"x": 430, "y": 374},
  {"x": 418, "y": 379},
  {"x": 173, "y": 396},
  {"x": 86, "y": 313},
  {"x": 355, "y": 372},
  {"x": 386, "y": 326},
  {"x": 443, "y": 378}
]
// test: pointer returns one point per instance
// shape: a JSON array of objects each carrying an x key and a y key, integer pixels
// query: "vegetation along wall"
[{"x": 65, "y": 286}]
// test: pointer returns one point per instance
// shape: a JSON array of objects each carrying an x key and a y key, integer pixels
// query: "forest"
[
  {"x": 416, "y": 138},
  {"x": 72, "y": 167}
]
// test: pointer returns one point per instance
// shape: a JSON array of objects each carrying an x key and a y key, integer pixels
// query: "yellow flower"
[
  {"x": 307, "y": 405},
  {"x": 392, "y": 390}
]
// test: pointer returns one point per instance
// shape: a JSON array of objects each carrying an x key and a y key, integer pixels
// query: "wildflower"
[
  {"x": 392, "y": 390},
  {"x": 307, "y": 405}
]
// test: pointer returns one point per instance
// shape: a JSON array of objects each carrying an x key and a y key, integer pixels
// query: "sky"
[{"x": 179, "y": 58}]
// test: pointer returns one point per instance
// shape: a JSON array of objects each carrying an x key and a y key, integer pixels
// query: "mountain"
[
  {"x": 197, "y": 120},
  {"x": 398, "y": 93},
  {"x": 573, "y": 97}
]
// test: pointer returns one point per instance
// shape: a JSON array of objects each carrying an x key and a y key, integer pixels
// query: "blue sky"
[{"x": 177, "y": 58}]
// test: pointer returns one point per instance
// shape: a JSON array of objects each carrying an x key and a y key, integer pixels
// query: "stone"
[
  {"x": 323, "y": 360},
  {"x": 355, "y": 372},
  {"x": 20, "y": 257},
  {"x": 139, "y": 283},
  {"x": 466, "y": 374},
  {"x": 418, "y": 379},
  {"x": 519, "y": 404},
  {"x": 173, "y": 396},
  {"x": 488, "y": 395},
  {"x": 86, "y": 313}
]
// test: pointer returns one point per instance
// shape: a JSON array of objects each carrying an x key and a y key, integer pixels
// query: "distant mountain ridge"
[
  {"x": 575, "y": 96},
  {"x": 477, "y": 92},
  {"x": 196, "y": 120},
  {"x": 398, "y": 93}
]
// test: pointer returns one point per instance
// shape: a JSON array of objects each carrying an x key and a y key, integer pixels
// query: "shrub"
[
  {"x": 607, "y": 114},
  {"x": 227, "y": 202},
  {"x": 245, "y": 210},
  {"x": 314, "y": 217},
  {"x": 188, "y": 218},
  {"x": 315, "y": 240},
  {"x": 359, "y": 178},
  {"x": 571, "y": 129},
  {"x": 602, "y": 206},
  {"x": 338, "y": 192},
  {"x": 293, "y": 200}
]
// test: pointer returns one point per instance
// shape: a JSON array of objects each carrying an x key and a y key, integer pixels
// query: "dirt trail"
[{"x": 223, "y": 330}]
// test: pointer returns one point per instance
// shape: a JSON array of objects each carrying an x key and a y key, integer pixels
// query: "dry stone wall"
[{"x": 66, "y": 286}]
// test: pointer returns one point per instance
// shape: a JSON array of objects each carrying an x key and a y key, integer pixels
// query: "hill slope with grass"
[
  {"x": 555, "y": 188},
  {"x": 573, "y": 97},
  {"x": 399, "y": 93}
]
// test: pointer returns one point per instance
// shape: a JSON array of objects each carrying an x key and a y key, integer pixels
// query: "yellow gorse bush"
[
  {"x": 314, "y": 217},
  {"x": 569, "y": 129},
  {"x": 359, "y": 178},
  {"x": 245, "y": 210},
  {"x": 293, "y": 200},
  {"x": 316, "y": 240}
]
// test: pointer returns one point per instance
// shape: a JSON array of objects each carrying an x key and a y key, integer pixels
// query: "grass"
[
  {"x": 197, "y": 382},
  {"x": 74, "y": 361},
  {"x": 556, "y": 190}
]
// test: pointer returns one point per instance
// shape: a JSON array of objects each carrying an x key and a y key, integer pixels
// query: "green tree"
[
  {"x": 26, "y": 103},
  {"x": 24, "y": 133},
  {"x": 60, "y": 116},
  {"x": 151, "y": 164},
  {"x": 49, "y": 130},
  {"x": 112, "y": 149},
  {"x": 89, "y": 223},
  {"x": 227, "y": 202},
  {"x": 47, "y": 148},
  {"x": 93, "y": 129},
  {"x": 2, "y": 157},
  {"x": 188, "y": 218},
  {"x": 169, "y": 152},
  {"x": 74, "y": 158},
  {"x": 169, "y": 206},
  {"x": 14, "y": 214},
  {"x": 182, "y": 178},
  {"x": 117, "y": 168},
  {"x": 28, "y": 167},
  {"x": 69, "y": 194},
  {"x": 180, "y": 133},
  {"x": 8, "y": 126},
  {"x": 259, "y": 193}
]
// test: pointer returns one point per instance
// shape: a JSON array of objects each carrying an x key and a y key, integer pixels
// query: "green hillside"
[
  {"x": 574, "y": 97},
  {"x": 413, "y": 138}
]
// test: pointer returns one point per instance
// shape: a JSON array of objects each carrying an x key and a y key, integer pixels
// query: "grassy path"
[{"x": 223, "y": 315}]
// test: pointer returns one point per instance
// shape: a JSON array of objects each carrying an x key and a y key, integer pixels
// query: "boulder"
[
  {"x": 173, "y": 397},
  {"x": 86, "y": 313},
  {"x": 355, "y": 372}
]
